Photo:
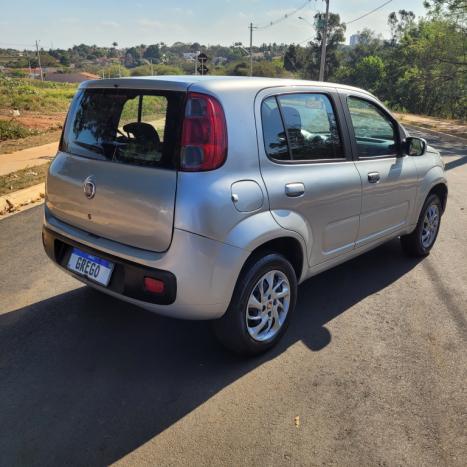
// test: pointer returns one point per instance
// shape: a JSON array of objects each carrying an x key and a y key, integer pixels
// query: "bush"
[
  {"x": 27, "y": 94},
  {"x": 162, "y": 69},
  {"x": 158, "y": 69},
  {"x": 13, "y": 130},
  {"x": 114, "y": 71}
]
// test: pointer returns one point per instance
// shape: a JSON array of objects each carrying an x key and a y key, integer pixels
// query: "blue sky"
[{"x": 62, "y": 23}]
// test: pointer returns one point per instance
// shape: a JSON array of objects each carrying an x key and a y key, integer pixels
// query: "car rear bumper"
[
  {"x": 200, "y": 273},
  {"x": 127, "y": 277}
]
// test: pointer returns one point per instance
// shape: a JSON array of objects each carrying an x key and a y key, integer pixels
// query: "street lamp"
[{"x": 248, "y": 54}]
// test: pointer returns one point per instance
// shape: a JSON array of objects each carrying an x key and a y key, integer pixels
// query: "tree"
[
  {"x": 240, "y": 68},
  {"x": 334, "y": 37},
  {"x": 195, "y": 47},
  {"x": 368, "y": 44},
  {"x": 162, "y": 69},
  {"x": 113, "y": 52},
  {"x": 293, "y": 58},
  {"x": 153, "y": 52},
  {"x": 115, "y": 71},
  {"x": 370, "y": 73},
  {"x": 47, "y": 59},
  {"x": 450, "y": 7},
  {"x": 433, "y": 69},
  {"x": 133, "y": 55},
  {"x": 401, "y": 24}
]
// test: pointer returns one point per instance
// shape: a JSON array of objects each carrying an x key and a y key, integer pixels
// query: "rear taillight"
[{"x": 204, "y": 136}]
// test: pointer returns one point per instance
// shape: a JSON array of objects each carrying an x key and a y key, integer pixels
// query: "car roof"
[{"x": 208, "y": 83}]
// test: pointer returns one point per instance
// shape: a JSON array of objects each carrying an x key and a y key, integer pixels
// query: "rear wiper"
[{"x": 91, "y": 147}]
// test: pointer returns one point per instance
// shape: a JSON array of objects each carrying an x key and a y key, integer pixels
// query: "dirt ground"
[
  {"x": 49, "y": 126},
  {"x": 37, "y": 121},
  {"x": 451, "y": 127}
]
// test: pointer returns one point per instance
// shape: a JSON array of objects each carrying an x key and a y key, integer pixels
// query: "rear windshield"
[{"x": 125, "y": 126}]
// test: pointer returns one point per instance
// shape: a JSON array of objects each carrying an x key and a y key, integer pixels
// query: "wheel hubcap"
[
  {"x": 268, "y": 306},
  {"x": 430, "y": 225}
]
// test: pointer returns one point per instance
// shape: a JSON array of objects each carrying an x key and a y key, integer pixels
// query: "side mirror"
[{"x": 415, "y": 146}]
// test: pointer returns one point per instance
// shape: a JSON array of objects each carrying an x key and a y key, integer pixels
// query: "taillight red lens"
[
  {"x": 204, "y": 136},
  {"x": 153, "y": 285}
]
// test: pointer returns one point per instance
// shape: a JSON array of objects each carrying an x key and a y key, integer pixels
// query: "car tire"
[
  {"x": 421, "y": 240},
  {"x": 263, "y": 301}
]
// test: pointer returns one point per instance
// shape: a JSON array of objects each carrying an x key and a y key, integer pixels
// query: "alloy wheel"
[
  {"x": 430, "y": 225},
  {"x": 268, "y": 306}
]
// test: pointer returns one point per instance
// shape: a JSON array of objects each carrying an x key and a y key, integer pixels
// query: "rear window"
[{"x": 125, "y": 126}]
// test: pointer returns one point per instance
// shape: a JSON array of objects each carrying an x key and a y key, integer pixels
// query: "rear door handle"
[
  {"x": 294, "y": 189},
  {"x": 374, "y": 177}
]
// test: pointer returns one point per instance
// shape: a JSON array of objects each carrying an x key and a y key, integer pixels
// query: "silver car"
[{"x": 213, "y": 197}]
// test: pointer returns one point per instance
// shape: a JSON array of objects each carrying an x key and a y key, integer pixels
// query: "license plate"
[{"x": 94, "y": 268}]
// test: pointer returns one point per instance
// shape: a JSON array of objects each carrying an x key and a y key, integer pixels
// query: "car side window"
[
  {"x": 311, "y": 127},
  {"x": 374, "y": 131},
  {"x": 275, "y": 140},
  {"x": 301, "y": 127}
]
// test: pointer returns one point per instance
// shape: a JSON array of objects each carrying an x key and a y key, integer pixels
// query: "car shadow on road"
[{"x": 87, "y": 379}]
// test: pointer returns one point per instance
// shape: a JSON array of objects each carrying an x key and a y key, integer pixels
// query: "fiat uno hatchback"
[{"x": 213, "y": 197}]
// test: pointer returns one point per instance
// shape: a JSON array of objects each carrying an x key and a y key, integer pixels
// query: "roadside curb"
[{"x": 13, "y": 202}]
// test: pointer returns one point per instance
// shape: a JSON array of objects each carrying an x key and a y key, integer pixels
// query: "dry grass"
[
  {"x": 452, "y": 127},
  {"x": 23, "y": 178},
  {"x": 13, "y": 145}
]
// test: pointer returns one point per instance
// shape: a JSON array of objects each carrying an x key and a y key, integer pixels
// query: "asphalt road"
[{"x": 374, "y": 365}]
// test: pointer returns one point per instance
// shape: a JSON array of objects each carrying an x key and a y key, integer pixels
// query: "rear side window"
[
  {"x": 301, "y": 127},
  {"x": 125, "y": 126},
  {"x": 275, "y": 139},
  {"x": 375, "y": 133}
]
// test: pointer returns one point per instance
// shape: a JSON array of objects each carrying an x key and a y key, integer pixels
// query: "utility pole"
[
  {"x": 251, "y": 49},
  {"x": 324, "y": 33},
  {"x": 39, "y": 60}
]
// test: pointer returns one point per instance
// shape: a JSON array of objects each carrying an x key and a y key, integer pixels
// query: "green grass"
[
  {"x": 23, "y": 178},
  {"x": 13, "y": 130},
  {"x": 34, "y": 95}
]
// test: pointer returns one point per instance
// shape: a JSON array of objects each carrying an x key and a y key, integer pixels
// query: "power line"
[
  {"x": 306, "y": 40},
  {"x": 284, "y": 17},
  {"x": 369, "y": 13}
]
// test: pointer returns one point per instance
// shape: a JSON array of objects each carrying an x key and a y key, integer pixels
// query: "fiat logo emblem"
[{"x": 89, "y": 187}]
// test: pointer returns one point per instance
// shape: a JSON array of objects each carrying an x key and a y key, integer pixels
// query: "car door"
[
  {"x": 305, "y": 159},
  {"x": 389, "y": 178}
]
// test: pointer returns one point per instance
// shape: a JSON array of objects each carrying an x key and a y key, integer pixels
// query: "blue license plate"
[{"x": 94, "y": 268}]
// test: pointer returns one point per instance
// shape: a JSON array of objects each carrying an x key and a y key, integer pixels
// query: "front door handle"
[
  {"x": 374, "y": 177},
  {"x": 294, "y": 189}
]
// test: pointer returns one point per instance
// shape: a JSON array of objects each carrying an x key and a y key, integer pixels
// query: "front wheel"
[
  {"x": 421, "y": 240},
  {"x": 261, "y": 306}
]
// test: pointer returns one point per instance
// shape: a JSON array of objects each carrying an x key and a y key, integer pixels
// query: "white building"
[{"x": 354, "y": 39}]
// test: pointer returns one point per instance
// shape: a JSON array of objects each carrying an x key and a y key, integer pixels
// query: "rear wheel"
[
  {"x": 262, "y": 303},
  {"x": 421, "y": 240}
]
